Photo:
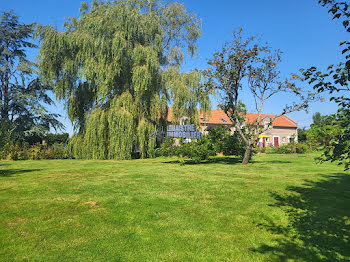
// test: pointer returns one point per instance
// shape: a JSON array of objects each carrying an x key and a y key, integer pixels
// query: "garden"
[
  {"x": 87, "y": 172},
  {"x": 278, "y": 207}
]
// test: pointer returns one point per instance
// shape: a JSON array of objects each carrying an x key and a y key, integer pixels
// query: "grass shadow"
[
  {"x": 227, "y": 160},
  {"x": 11, "y": 172},
  {"x": 270, "y": 161},
  {"x": 214, "y": 160},
  {"x": 319, "y": 222}
]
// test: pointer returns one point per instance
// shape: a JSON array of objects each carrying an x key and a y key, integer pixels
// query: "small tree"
[{"x": 243, "y": 60}]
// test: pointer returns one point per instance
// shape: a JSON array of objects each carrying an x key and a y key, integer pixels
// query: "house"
[
  {"x": 216, "y": 118},
  {"x": 282, "y": 131}
]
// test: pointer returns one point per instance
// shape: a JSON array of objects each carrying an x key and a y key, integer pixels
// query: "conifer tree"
[{"x": 22, "y": 95}]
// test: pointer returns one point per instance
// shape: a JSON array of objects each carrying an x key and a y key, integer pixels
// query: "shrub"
[
  {"x": 284, "y": 149},
  {"x": 22, "y": 151},
  {"x": 302, "y": 148},
  {"x": 223, "y": 141},
  {"x": 166, "y": 148},
  {"x": 198, "y": 150},
  {"x": 299, "y": 148},
  {"x": 56, "y": 151}
]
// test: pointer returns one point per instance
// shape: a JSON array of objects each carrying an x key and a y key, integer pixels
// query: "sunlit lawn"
[{"x": 280, "y": 207}]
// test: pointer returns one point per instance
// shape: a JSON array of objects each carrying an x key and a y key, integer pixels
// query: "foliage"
[
  {"x": 22, "y": 96},
  {"x": 196, "y": 150},
  {"x": 218, "y": 140},
  {"x": 116, "y": 67},
  {"x": 283, "y": 149},
  {"x": 25, "y": 151},
  {"x": 335, "y": 80},
  {"x": 322, "y": 132},
  {"x": 166, "y": 148},
  {"x": 223, "y": 141},
  {"x": 302, "y": 133},
  {"x": 245, "y": 59},
  {"x": 338, "y": 148},
  {"x": 56, "y": 138},
  {"x": 291, "y": 148}
]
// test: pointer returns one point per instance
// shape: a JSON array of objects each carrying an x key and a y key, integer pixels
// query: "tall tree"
[
  {"x": 244, "y": 59},
  {"x": 22, "y": 95},
  {"x": 117, "y": 67},
  {"x": 336, "y": 80}
]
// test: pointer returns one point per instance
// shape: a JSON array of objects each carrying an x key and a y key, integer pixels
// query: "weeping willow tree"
[{"x": 117, "y": 67}]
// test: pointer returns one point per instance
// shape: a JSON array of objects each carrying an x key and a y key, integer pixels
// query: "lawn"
[{"x": 279, "y": 208}]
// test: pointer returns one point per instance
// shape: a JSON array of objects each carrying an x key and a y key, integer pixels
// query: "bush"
[
  {"x": 198, "y": 150},
  {"x": 223, "y": 141},
  {"x": 280, "y": 150},
  {"x": 299, "y": 148},
  {"x": 302, "y": 148},
  {"x": 22, "y": 151},
  {"x": 218, "y": 140},
  {"x": 166, "y": 148},
  {"x": 56, "y": 151}
]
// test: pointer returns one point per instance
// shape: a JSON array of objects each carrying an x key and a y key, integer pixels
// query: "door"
[
  {"x": 264, "y": 142},
  {"x": 276, "y": 141}
]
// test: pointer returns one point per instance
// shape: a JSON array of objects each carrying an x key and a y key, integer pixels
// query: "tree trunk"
[{"x": 247, "y": 154}]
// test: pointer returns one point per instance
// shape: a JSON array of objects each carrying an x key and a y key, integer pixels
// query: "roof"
[
  {"x": 218, "y": 116},
  {"x": 282, "y": 121},
  {"x": 215, "y": 117}
]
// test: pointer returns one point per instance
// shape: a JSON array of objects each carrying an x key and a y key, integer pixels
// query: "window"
[
  {"x": 284, "y": 139},
  {"x": 267, "y": 139},
  {"x": 223, "y": 120},
  {"x": 184, "y": 121},
  {"x": 203, "y": 119}
]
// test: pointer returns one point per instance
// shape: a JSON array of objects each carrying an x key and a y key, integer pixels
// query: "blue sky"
[{"x": 302, "y": 29}]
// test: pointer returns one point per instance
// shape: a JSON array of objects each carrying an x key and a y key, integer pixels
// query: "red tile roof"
[
  {"x": 283, "y": 121},
  {"x": 217, "y": 116}
]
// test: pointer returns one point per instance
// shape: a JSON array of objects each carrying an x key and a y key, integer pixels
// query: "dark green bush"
[{"x": 223, "y": 141}]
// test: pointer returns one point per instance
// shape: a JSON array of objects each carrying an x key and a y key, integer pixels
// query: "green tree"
[
  {"x": 339, "y": 146},
  {"x": 225, "y": 142},
  {"x": 22, "y": 95},
  {"x": 116, "y": 67},
  {"x": 244, "y": 59},
  {"x": 302, "y": 132},
  {"x": 322, "y": 131},
  {"x": 336, "y": 80}
]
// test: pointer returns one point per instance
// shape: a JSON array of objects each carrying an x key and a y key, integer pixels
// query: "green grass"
[{"x": 279, "y": 208}]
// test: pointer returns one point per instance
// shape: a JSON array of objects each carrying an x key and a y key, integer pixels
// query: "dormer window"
[
  {"x": 223, "y": 120},
  {"x": 203, "y": 119}
]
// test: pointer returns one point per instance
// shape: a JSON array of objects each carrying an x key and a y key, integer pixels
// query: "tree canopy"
[
  {"x": 335, "y": 80},
  {"x": 117, "y": 66},
  {"x": 245, "y": 59},
  {"x": 22, "y": 96}
]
